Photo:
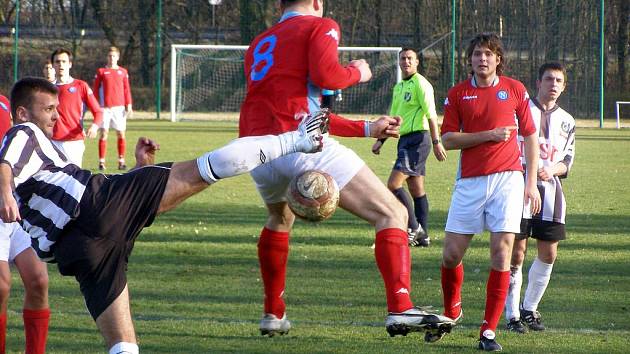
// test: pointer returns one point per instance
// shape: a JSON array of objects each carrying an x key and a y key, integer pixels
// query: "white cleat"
[
  {"x": 271, "y": 325},
  {"x": 416, "y": 320},
  {"x": 311, "y": 130},
  {"x": 435, "y": 334}
]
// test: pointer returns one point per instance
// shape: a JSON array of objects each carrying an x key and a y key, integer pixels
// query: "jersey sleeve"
[
  {"x": 324, "y": 67},
  {"x": 19, "y": 144},
  {"x": 569, "y": 151},
  {"x": 127, "y": 88},
  {"x": 393, "y": 108},
  {"x": 92, "y": 104},
  {"x": 426, "y": 98},
  {"x": 340, "y": 126},
  {"x": 452, "y": 120},
  {"x": 526, "y": 125},
  {"x": 97, "y": 84}
]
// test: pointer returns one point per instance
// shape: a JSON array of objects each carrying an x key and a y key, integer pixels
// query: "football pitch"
[{"x": 195, "y": 284}]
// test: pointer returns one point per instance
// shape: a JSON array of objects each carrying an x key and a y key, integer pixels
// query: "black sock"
[
  {"x": 405, "y": 199},
  {"x": 421, "y": 206}
]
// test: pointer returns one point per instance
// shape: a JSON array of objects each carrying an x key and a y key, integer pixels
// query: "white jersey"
[{"x": 556, "y": 138}]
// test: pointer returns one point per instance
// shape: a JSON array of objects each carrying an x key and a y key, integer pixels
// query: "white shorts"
[
  {"x": 13, "y": 241},
  {"x": 114, "y": 117},
  {"x": 272, "y": 179},
  {"x": 493, "y": 203},
  {"x": 73, "y": 150}
]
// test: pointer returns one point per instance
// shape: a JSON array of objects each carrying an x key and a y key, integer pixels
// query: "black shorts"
[
  {"x": 413, "y": 150},
  {"x": 95, "y": 247},
  {"x": 541, "y": 230}
]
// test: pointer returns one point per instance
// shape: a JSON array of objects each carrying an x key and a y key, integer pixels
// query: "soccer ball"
[{"x": 313, "y": 195}]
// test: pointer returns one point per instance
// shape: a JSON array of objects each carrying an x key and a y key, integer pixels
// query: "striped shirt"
[
  {"x": 48, "y": 189},
  {"x": 556, "y": 138}
]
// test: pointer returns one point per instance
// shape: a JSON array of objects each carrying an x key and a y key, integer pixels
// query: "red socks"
[
  {"x": 102, "y": 149},
  {"x": 273, "y": 252},
  {"x": 393, "y": 261},
  {"x": 121, "y": 148},
  {"x": 452, "y": 280},
  {"x": 36, "y": 330},
  {"x": 496, "y": 292},
  {"x": 3, "y": 333}
]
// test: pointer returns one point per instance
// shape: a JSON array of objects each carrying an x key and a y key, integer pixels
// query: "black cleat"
[
  {"x": 489, "y": 345},
  {"x": 418, "y": 237},
  {"x": 517, "y": 326},
  {"x": 533, "y": 320},
  {"x": 101, "y": 166},
  {"x": 434, "y": 335}
]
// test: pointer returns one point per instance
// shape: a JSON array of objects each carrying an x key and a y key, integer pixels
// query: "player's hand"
[
  {"x": 128, "y": 112},
  {"x": 364, "y": 69},
  {"x": 9, "y": 211},
  {"x": 385, "y": 127},
  {"x": 533, "y": 197},
  {"x": 501, "y": 133},
  {"x": 376, "y": 148},
  {"x": 545, "y": 174},
  {"x": 439, "y": 151},
  {"x": 91, "y": 133},
  {"x": 145, "y": 152}
]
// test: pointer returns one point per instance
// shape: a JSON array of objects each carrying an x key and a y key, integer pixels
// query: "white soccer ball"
[{"x": 313, "y": 195}]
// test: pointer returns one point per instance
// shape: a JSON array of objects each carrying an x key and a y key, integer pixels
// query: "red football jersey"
[
  {"x": 114, "y": 84},
  {"x": 471, "y": 109},
  {"x": 286, "y": 67},
  {"x": 72, "y": 96},
  {"x": 5, "y": 116}
]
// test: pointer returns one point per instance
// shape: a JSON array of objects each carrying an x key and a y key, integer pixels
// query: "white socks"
[
  {"x": 539, "y": 275},
  {"x": 124, "y": 348},
  {"x": 243, "y": 155},
  {"x": 514, "y": 293}
]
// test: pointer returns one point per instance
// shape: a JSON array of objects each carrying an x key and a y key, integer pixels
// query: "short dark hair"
[
  {"x": 291, "y": 2},
  {"x": 492, "y": 42},
  {"x": 408, "y": 49},
  {"x": 552, "y": 65},
  {"x": 23, "y": 91},
  {"x": 60, "y": 51}
]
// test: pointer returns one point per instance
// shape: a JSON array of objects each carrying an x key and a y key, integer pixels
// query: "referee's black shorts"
[
  {"x": 413, "y": 150},
  {"x": 95, "y": 247},
  {"x": 541, "y": 230}
]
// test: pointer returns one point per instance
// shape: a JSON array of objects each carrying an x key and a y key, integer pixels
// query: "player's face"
[
  {"x": 49, "y": 72},
  {"x": 112, "y": 58},
  {"x": 484, "y": 62},
  {"x": 551, "y": 86},
  {"x": 408, "y": 63},
  {"x": 62, "y": 64},
  {"x": 42, "y": 112}
]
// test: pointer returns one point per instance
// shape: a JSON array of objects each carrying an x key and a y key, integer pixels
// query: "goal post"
[
  {"x": 618, "y": 111},
  {"x": 209, "y": 80}
]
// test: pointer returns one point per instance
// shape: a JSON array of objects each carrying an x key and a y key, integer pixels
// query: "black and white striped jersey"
[
  {"x": 48, "y": 189},
  {"x": 556, "y": 138}
]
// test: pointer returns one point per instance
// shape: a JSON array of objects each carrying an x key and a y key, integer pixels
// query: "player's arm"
[
  {"x": 97, "y": 85},
  {"x": 127, "y": 93},
  {"x": 145, "y": 152},
  {"x": 9, "y": 211},
  {"x": 324, "y": 67},
  {"x": 532, "y": 154},
  {"x": 427, "y": 102},
  {"x": 383, "y": 127},
  {"x": 90, "y": 100}
]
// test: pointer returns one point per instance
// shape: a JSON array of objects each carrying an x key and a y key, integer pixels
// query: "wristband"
[
  {"x": 436, "y": 141},
  {"x": 366, "y": 128}
]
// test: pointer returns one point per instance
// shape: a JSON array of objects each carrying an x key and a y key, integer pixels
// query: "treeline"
[{"x": 533, "y": 31}]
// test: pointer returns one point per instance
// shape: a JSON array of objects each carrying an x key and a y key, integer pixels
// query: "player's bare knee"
[
  {"x": 37, "y": 285},
  {"x": 5, "y": 288}
]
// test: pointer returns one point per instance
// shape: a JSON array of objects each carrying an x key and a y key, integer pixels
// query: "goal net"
[{"x": 208, "y": 82}]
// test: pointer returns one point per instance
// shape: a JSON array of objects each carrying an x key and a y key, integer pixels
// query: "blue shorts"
[{"x": 413, "y": 150}]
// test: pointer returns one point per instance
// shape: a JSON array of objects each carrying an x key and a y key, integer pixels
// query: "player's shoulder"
[
  {"x": 4, "y": 100},
  {"x": 508, "y": 81},
  {"x": 564, "y": 115},
  {"x": 460, "y": 86}
]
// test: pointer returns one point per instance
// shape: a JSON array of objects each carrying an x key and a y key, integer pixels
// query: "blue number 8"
[{"x": 266, "y": 57}]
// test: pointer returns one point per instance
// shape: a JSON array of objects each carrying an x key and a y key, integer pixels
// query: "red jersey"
[
  {"x": 5, "y": 116},
  {"x": 471, "y": 109},
  {"x": 286, "y": 67},
  {"x": 114, "y": 84},
  {"x": 72, "y": 96}
]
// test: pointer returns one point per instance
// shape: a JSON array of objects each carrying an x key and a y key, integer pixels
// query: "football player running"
[{"x": 286, "y": 67}]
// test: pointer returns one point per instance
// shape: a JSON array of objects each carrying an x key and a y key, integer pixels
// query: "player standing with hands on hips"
[
  {"x": 286, "y": 67},
  {"x": 556, "y": 136},
  {"x": 413, "y": 101},
  {"x": 111, "y": 87},
  {"x": 481, "y": 116}
]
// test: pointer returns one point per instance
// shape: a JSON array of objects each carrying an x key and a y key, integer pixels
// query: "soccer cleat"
[
  {"x": 516, "y": 325},
  {"x": 434, "y": 335},
  {"x": 122, "y": 166},
  {"x": 418, "y": 237},
  {"x": 311, "y": 130},
  {"x": 270, "y": 325},
  {"x": 416, "y": 320},
  {"x": 533, "y": 320},
  {"x": 101, "y": 166},
  {"x": 488, "y": 343}
]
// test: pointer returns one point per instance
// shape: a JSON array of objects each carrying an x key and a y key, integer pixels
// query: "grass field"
[{"x": 196, "y": 288}]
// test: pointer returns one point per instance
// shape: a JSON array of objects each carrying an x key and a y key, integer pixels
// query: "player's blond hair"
[{"x": 113, "y": 49}]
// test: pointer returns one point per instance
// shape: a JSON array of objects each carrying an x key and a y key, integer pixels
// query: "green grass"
[{"x": 196, "y": 288}]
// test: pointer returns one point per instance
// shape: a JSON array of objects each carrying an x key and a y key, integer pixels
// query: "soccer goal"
[
  {"x": 207, "y": 81},
  {"x": 618, "y": 111}
]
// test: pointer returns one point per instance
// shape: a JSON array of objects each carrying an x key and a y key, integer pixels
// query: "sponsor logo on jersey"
[
  {"x": 262, "y": 156},
  {"x": 119, "y": 72},
  {"x": 466, "y": 98},
  {"x": 333, "y": 33},
  {"x": 502, "y": 95},
  {"x": 106, "y": 73},
  {"x": 407, "y": 96},
  {"x": 4, "y": 106},
  {"x": 72, "y": 89}
]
